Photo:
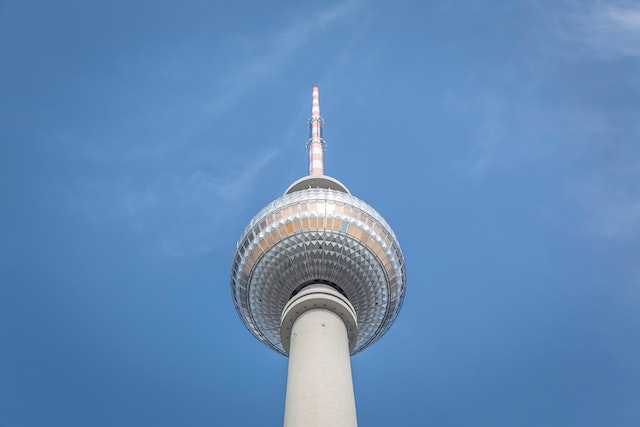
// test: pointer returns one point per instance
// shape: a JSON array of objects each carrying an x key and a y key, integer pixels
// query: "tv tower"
[{"x": 318, "y": 275}]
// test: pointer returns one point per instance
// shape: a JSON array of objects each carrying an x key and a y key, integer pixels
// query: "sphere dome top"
[
  {"x": 317, "y": 232},
  {"x": 317, "y": 181}
]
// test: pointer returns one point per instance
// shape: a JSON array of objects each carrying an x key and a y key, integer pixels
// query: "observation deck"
[{"x": 317, "y": 232}]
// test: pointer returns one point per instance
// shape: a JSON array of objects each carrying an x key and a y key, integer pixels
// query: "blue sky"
[{"x": 500, "y": 140}]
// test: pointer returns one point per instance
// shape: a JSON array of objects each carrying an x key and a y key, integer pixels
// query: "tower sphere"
[{"x": 317, "y": 232}]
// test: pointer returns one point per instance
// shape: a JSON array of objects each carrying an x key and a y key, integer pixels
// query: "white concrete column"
[{"x": 318, "y": 330}]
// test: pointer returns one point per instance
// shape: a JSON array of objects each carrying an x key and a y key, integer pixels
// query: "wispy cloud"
[
  {"x": 601, "y": 178},
  {"x": 610, "y": 201},
  {"x": 183, "y": 101},
  {"x": 611, "y": 211},
  {"x": 182, "y": 214},
  {"x": 275, "y": 50},
  {"x": 604, "y": 29},
  {"x": 489, "y": 134}
]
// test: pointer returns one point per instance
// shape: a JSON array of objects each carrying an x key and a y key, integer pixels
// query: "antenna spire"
[{"x": 316, "y": 145}]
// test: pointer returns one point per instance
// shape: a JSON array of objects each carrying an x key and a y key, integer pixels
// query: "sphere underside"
[{"x": 318, "y": 235}]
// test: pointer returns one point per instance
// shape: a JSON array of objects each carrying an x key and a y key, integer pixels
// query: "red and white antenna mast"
[{"x": 316, "y": 145}]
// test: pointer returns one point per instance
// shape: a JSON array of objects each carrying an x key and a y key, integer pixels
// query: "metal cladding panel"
[{"x": 318, "y": 234}]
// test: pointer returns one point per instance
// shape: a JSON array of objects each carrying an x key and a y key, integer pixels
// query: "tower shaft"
[{"x": 319, "y": 383}]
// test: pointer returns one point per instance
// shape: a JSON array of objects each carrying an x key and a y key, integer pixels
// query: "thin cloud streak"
[
  {"x": 183, "y": 214},
  {"x": 280, "y": 47},
  {"x": 611, "y": 202},
  {"x": 489, "y": 133},
  {"x": 604, "y": 30}
]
